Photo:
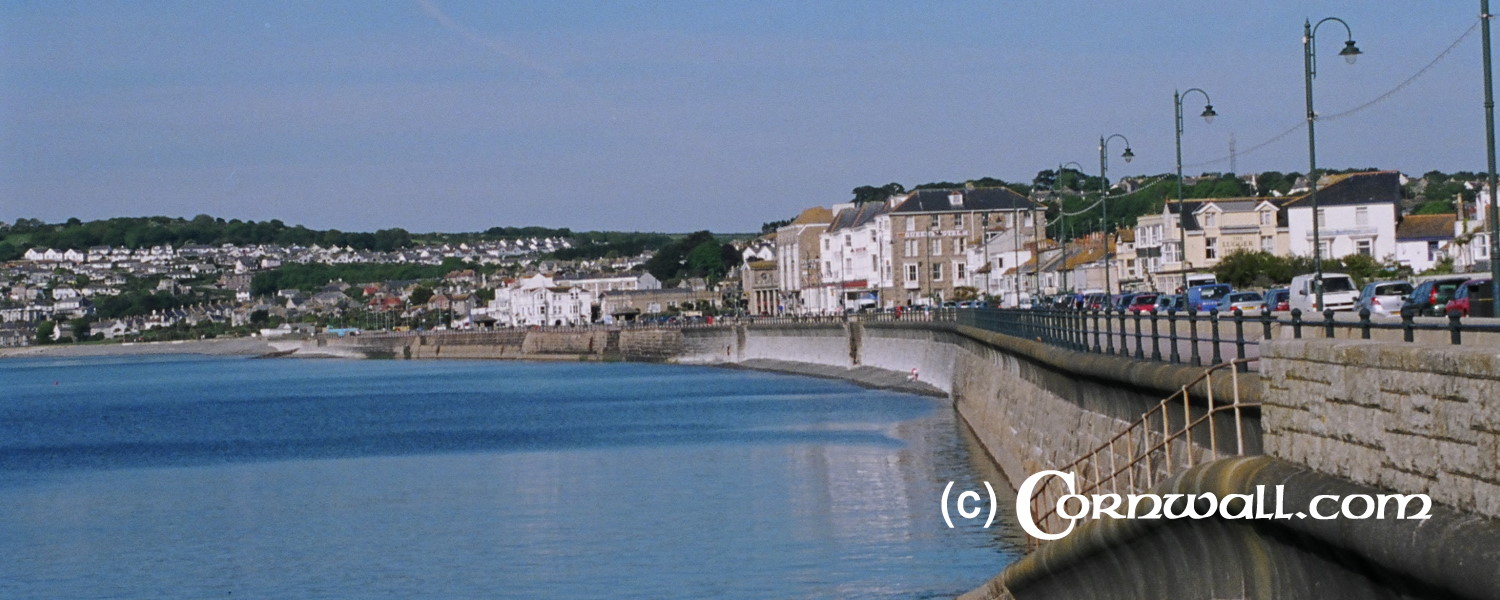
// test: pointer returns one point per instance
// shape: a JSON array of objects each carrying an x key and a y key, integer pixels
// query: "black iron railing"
[{"x": 1190, "y": 337}]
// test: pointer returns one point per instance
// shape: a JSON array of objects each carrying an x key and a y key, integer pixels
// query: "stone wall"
[{"x": 1407, "y": 417}]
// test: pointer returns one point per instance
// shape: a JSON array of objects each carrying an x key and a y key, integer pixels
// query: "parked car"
[
  {"x": 1121, "y": 302},
  {"x": 1095, "y": 301},
  {"x": 1245, "y": 300},
  {"x": 1476, "y": 289},
  {"x": 1430, "y": 298},
  {"x": 1339, "y": 292},
  {"x": 1164, "y": 302},
  {"x": 1278, "y": 300},
  {"x": 1140, "y": 303},
  {"x": 1382, "y": 297},
  {"x": 1204, "y": 298}
]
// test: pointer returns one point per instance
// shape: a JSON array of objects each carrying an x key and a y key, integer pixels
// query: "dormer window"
[{"x": 955, "y": 199}]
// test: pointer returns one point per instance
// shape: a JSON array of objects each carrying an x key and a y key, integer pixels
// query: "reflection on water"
[{"x": 196, "y": 477}]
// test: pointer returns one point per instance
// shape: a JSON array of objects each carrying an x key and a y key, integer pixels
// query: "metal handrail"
[{"x": 1149, "y": 456}]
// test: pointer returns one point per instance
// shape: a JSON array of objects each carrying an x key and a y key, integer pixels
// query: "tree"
[
  {"x": 80, "y": 328},
  {"x": 44, "y": 331},
  {"x": 1434, "y": 207},
  {"x": 419, "y": 296},
  {"x": 866, "y": 193}
]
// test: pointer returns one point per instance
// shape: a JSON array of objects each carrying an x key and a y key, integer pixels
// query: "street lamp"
[
  {"x": 1208, "y": 115},
  {"x": 1104, "y": 194},
  {"x": 1309, "y": 71},
  {"x": 1063, "y": 270},
  {"x": 1489, "y": 139}
]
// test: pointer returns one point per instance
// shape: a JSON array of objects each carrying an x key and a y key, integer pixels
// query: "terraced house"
[{"x": 932, "y": 232}]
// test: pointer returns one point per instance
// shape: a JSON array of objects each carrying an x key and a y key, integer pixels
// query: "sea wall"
[
  {"x": 1450, "y": 555},
  {"x": 1032, "y": 406},
  {"x": 1414, "y": 418}
]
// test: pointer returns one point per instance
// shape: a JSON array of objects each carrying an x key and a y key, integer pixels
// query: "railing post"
[
  {"x": 1109, "y": 332},
  {"x": 1095, "y": 314},
  {"x": 1155, "y": 337},
  {"x": 1328, "y": 323},
  {"x": 1140, "y": 352},
  {"x": 1193, "y": 336},
  {"x": 1297, "y": 324},
  {"x": 1408, "y": 325},
  {"x": 1213, "y": 322},
  {"x": 1364, "y": 323},
  {"x": 1172, "y": 327},
  {"x": 1265, "y": 322},
  {"x": 1239, "y": 338},
  {"x": 1455, "y": 329}
]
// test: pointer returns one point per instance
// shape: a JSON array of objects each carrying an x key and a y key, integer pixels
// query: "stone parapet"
[{"x": 1412, "y": 418}]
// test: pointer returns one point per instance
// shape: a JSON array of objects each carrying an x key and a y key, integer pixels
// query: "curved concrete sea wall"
[{"x": 1032, "y": 406}]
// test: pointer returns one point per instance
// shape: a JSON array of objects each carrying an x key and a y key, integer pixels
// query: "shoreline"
[{"x": 213, "y": 347}]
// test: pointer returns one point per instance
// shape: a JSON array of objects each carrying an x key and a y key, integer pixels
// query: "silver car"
[{"x": 1383, "y": 298}]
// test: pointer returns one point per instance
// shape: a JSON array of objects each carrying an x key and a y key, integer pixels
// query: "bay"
[{"x": 191, "y": 477}]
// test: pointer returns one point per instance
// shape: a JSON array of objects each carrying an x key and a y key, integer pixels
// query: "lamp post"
[
  {"x": 1309, "y": 71},
  {"x": 1063, "y": 270},
  {"x": 1036, "y": 251},
  {"x": 1489, "y": 139},
  {"x": 1104, "y": 195},
  {"x": 1208, "y": 115}
]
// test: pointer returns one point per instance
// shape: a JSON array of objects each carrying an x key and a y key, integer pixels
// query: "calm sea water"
[{"x": 195, "y": 477}]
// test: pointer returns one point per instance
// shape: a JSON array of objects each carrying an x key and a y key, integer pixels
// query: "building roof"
[
  {"x": 1354, "y": 188},
  {"x": 814, "y": 216},
  {"x": 1425, "y": 227},
  {"x": 977, "y": 199},
  {"x": 859, "y": 215}
]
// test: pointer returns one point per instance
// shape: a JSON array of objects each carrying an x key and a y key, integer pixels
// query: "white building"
[
  {"x": 1423, "y": 240},
  {"x": 619, "y": 282},
  {"x": 996, "y": 264},
  {"x": 538, "y": 300},
  {"x": 1356, "y": 215},
  {"x": 855, "y": 258}
]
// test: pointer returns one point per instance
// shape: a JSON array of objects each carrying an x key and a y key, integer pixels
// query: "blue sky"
[{"x": 447, "y": 115}]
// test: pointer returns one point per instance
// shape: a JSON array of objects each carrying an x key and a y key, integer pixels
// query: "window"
[
  {"x": 911, "y": 223},
  {"x": 1362, "y": 216},
  {"x": 874, "y": 264},
  {"x": 1268, "y": 244},
  {"x": 1000, "y": 263},
  {"x": 1364, "y": 247},
  {"x": 1030, "y": 219},
  {"x": 1208, "y": 219},
  {"x": 848, "y": 239},
  {"x": 825, "y": 243},
  {"x": 958, "y": 246},
  {"x": 873, "y": 236},
  {"x": 937, "y": 271},
  {"x": 1432, "y": 250},
  {"x": 1322, "y": 218},
  {"x": 958, "y": 221},
  {"x": 1265, "y": 217},
  {"x": 959, "y": 271},
  {"x": 1169, "y": 253},
  {"x": 936, "y": 247},
  {"x": 1211, "y": 248},
  {"x": 1323, "y": 247},
  {"x": 911, "y": 272},
  {"x": 934, "y": 222}
]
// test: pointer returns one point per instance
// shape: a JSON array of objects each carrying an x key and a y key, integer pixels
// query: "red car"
[
  {"x": 1142, "y": 303},
  {"x": 1461, "y": 296}
]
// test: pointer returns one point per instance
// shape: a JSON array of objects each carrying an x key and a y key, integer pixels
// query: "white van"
[{"x": 1339, "y": 293}]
